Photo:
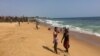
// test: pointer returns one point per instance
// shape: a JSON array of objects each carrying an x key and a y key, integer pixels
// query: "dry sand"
[{"x": 25, "y": 40}]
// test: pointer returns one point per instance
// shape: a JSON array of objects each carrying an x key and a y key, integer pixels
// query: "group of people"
[{"x": 65, "y": 37}]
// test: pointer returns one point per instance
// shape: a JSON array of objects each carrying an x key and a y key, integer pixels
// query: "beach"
[{"x": 26, "y": 40}]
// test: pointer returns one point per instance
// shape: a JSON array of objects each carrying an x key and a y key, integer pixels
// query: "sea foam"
[{"x": 71, "y": 27}]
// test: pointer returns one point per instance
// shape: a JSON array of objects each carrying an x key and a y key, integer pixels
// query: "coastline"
[
  {"x": 79, "y": 27},
  {"x": 25, "y": 40},
  {"x": 91, "y": 39},
  {"x": 85, "y": 37}
]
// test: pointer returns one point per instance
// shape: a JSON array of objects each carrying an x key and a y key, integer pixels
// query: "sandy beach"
[{"x": 25, "y": 40}]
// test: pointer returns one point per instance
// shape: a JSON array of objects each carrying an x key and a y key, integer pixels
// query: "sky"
[{"x": 50, "y": 8}]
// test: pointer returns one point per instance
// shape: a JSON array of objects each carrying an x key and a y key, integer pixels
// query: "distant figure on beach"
[
  {"x": 49, "y": 28},
  {"x": 66, "y": 39},
  {"x": 37, "y": 23},
  {"x": 55, "y": 39},
  {"x": 19, "y": 23}
]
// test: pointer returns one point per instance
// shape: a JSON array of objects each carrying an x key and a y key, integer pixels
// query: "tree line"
[{"x": 13, "y": 19}]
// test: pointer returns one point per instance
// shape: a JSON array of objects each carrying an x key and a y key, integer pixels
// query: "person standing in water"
[
  {"x": 66, "y": 39},
  {"x": 55, "y": 39}
]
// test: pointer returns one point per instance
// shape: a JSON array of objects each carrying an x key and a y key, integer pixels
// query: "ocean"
[{"x": 89, "y": 25}]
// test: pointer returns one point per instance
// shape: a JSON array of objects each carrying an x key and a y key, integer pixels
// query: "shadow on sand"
[
  {"x": 60, "y": 50},
  {"x": 47, "y": 48}
]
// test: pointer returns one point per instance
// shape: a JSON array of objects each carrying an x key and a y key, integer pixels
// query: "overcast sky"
[{"x": 50, "y": 8}]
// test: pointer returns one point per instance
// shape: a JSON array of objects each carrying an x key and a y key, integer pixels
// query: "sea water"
[{"x": 89, "y": 25}]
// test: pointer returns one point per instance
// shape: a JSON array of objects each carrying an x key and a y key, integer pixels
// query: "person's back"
[
  {"x": 66, "y": 39},
  {"x": 66, "y": 36}
]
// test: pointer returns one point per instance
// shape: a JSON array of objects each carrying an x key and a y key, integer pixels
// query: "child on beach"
[
  {"x": 55, "y": 39},
  {"x": 66, "y": 39}
]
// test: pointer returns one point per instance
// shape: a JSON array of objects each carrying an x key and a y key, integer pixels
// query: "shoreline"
[
  {"x": 85, "y": 37},
  {"x": 81, "y": 42},
  {"x": 72, "y": 28},
  {"x": 92, "y": 39},
  {"x": 89, "y": 38},
  {"x": 25, "y": 40}
]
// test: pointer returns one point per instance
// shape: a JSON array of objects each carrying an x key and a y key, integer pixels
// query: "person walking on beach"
[
  {"x": 19, "y": 22},
  {"x": 66, "y": 39},
  {"x": 37, "y": 23},
  {"x": 55, "y": 39}
]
